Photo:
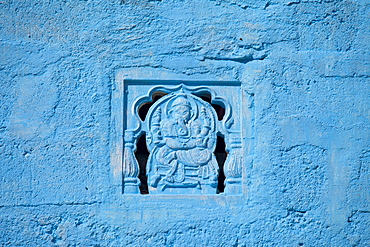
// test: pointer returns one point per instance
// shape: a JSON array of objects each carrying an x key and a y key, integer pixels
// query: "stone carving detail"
[
  {"x": 233, "y": 172},
  {"x": 182, "y": 139},
  {"x": 181, "y": 136},
  {"x": 130, "y": 166},
  {"x": 233, "y": 166}
]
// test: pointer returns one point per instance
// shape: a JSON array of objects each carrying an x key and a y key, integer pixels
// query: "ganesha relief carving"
[
  {"x": 182, "y": 140},
  {"x": 181, "y": 130}
]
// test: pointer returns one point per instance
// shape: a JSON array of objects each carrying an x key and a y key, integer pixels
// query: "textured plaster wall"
[{"x": 305, "y": 65}]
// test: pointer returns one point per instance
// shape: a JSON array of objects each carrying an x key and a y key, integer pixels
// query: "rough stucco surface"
[{"x": 304, "y": 63}]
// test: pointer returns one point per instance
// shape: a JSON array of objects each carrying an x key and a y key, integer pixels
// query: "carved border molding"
[{"x": 235, "y": 127}]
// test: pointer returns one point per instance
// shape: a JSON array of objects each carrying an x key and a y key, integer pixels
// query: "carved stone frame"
[{"x": 129, "y": 94}]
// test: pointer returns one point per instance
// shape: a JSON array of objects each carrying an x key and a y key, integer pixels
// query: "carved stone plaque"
[
  {"x": 183, "y": 124},
  {"x": 181, "y": 140}
]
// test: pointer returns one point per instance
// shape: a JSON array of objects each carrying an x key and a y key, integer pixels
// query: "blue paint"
[
  {"x": 304, "y": 72},
  {"x": 181, "y": 130}
]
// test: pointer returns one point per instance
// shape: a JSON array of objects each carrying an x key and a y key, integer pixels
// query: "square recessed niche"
[{"x": 178, "y": 137}]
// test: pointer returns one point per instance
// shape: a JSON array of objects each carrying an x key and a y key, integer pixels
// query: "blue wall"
[{"x": 307, "y": 63}]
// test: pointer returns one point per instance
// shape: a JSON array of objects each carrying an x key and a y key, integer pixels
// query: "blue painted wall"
[{"x": 307, "y": 63}]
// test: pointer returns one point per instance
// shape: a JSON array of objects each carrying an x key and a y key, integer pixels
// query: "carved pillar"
[
  {"x": 130, "y": 167},
  {"x": 233, "y": 166}
]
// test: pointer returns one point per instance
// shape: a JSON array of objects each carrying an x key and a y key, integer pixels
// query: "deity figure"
[{"x": 183, "y": 144}]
